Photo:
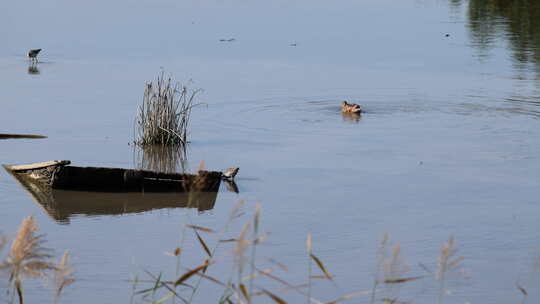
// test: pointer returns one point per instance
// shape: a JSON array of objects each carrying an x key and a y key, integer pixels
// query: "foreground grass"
[
  {"x": 28, "y": 258},
  {"x": 247, "y": 281}
]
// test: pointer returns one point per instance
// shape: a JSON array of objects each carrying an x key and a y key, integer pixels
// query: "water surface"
[{"x": 447, "y": 146}]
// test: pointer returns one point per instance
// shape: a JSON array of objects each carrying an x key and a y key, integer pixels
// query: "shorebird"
[
  {"x": 230, "y": 173},
  {"x": 350, "y": 107},
  {"x": 32, "y": 54}
]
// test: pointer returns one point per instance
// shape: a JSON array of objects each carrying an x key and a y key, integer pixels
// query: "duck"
[
  {"x": 350, "y": 107},
  {"x": 32, "y": 54}
]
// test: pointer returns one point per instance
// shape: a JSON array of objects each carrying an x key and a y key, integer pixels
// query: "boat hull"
[{"x": 59, "y": 175}]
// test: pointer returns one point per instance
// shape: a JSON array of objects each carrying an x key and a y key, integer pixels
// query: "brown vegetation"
[
  {"x": 63, "y": 276},
  {"x": 248, "y": 281},
  {"x": 27, "y": 258}
]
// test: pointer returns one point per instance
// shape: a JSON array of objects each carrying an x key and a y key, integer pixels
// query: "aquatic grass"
[{"x": 163, "y": 118}]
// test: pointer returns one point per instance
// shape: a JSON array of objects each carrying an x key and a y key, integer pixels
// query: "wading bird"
[{"x": 32, "y": 54}]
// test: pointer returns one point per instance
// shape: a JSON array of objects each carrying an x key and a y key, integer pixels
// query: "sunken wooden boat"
[
  {"x": 65, "y": 191},
  {"x": 58, "y": 174}
]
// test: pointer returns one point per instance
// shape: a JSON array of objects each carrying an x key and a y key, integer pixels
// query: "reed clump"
[{"x": 163, "y": 118}]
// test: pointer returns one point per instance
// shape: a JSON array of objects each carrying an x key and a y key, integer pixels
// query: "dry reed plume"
[
  {"x": 164, "y": 116},
  {"x": 63, "y": 276},
  {"x": 447, "y": 261},
  {"x": 390, "y": 272},
  {"x": 27, "y": 258}
]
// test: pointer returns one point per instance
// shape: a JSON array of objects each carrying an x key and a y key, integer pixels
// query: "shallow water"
[{"x": 447, "y": 146}]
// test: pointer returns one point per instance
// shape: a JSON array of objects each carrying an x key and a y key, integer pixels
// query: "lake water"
[{"x": 448, "y": 143}]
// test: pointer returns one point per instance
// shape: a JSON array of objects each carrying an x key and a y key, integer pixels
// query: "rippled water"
[{"x": 448, "y": 144}]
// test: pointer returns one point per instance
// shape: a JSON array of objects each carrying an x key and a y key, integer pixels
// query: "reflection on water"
[
  {"x": 33, "y": 69},
  {"x": 351, "y": 117},
  {"x": 516, "y": 21},
  {"x": 167, "y": 159},
  {"x": 61, "y": 205},
  {"x": 231, "y": 185},
  {"x": 274, "y": 111}
]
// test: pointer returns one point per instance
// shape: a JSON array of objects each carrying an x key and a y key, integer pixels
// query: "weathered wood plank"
[{"x": 35, "y": 166}]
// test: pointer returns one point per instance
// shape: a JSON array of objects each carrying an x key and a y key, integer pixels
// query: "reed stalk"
[
  {"x": 309, "y": 248},
  {"x": 256, "y": 222}
]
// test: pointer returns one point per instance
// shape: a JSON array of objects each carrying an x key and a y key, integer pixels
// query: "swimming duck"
[{"x": 350, "y": 107}]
